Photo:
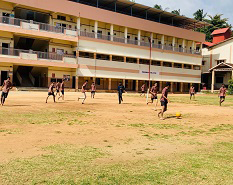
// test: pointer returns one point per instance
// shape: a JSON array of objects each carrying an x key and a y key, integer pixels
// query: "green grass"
[
  {"x": 202, "y": 100},
  {"x": 70, "y": 165}
]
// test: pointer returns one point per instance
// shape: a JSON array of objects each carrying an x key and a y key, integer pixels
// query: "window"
[
  {"x": 63, "y": 18},
  {"x": 97, "y": 81},
  {"x": 117, "y": 58},
  {"x": 156, "y": 63},
  {"x": 203, "y": 63},
  {"x": 144, "y": 61},
  {"x": 219, "y": 79},
  {"x": 131, "y": 60},
  {"x": 60, "y": 51},
  {"x": 102, "y": 57},
  {"x": 86, "y": 55},
  {"x": 176, "y": 65},
  {"x": 220, "y": 61},
  {"x": 167, "y": 64}
]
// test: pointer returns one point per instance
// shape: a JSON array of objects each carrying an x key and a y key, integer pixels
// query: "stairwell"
[{"x": 23, "y": 73}]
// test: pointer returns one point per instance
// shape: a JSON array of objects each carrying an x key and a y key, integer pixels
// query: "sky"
[{"x": 188, "y": 7}]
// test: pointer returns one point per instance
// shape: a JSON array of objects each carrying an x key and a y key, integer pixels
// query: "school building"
[
  {"x": 106, "y": 41},
  {"x": 217, "y": 60}
]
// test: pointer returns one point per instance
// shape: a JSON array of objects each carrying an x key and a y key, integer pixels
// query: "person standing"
[
  {"x": 143, "y": 89},
  {"x": 62, "y": 90},
  {"x": 222, "y": 94},
  {"x": 84, "y": 92},
  {"x": 93, "y": 90},
  {"x": 154, "y": 95},
  {"x": 7, "y": 85},
  {"x": 51, "y": 92},
  {"x": 164, "y": 101},
  {"x": 192, "y": 92},
  {"x": 58, "y": 86},
  {"x": 121, "y": 90}
]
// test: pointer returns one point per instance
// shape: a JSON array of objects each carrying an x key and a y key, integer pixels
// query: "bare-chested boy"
[
  {"x": 51, "y": 92},
  {"x": 164, "y": 101},
  {"x": 62, "y": 90},
  {"x": 84, "y": 92},
  {"x": 192, "y": 92},
  {"x": 58, "y": 85},
  {"x": 7, "y": 85},
  {"x": 154, "y": 95},
  {"x": 143, "y": 90},
  {"x": 222, "y": 94},
  {"x": 93, "y": 90}
]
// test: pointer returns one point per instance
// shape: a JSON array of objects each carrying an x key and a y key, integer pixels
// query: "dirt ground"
[{"x": 130, "y": 131}]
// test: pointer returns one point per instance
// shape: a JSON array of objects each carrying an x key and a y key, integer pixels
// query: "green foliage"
[
  {"x": 159, "y": 7},
  {"x": 230, "y": 87},
  {"x": 177, "y": 12}
]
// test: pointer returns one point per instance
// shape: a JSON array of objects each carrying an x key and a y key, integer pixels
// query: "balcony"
[
  {"x": 138, "y": 43},
  {"x": 32, "y": 25},
  {"x": 36, "y": 55}
]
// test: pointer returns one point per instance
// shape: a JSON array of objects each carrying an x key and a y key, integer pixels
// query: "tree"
[
  {"x": 216, "y": 22},
  {"x": 177, "y": 12},
  {"x": 230, "y": 87},
  {"x": 200, "y": 15},
  {"x": 159, "y": 7}
]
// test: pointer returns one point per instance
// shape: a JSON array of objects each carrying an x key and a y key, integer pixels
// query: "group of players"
[{"x": 59, "y": 89}]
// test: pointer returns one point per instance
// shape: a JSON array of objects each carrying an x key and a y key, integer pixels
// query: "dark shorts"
[
  {"x": 164, "y": 104},
  {"x": 62, "y": 92},
  {"x": 92, "y": 92},
  {"x": 143, "y": 92},
  {"x": 154, "y": 98},
  {"x": 51, "y": 93},
  {"x": 222, "y": 97},
  {"x": 57, "y": 91},
  {"x": 4, "y": 94},
  {"x": 192, "y": 94}
]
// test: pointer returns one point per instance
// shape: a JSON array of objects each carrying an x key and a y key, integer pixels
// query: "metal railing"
[
  {"x": 40, "y": 55},
  {"x": 136, "y": 42},
  {"x": 41, "y": 26}
]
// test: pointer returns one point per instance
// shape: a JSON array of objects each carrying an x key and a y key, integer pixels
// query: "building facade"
[
  {"x": 218, "y": 60},
  {"x": 103, "y": 41}
]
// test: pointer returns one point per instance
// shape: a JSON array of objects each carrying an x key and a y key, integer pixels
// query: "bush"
[{"x": 230, "y": 87}]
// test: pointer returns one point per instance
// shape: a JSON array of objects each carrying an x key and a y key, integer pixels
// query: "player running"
[
  {"x": 192, "y": 92},
  {"x": 58, "y": 86},
  {"x": 84, "y": 92},
  {"x": 62, "y": 90},
  {"x": 164, "y": 101},
  {"x": 93, "y": 90},
  {"x": 143, "y": 89},
  {"x": 222, "y": 94},
  {"x": 6, "y": 87},
  {"x": 51, "y": 92},
  {"x": 154, "y": 93},
  {"x": 121, "y": 90}
]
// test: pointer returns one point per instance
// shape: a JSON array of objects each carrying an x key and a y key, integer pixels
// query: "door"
[
  {"x": 5, "y": 18},
  {"x": 134, "y": 85},
  {"x": 4, "y": 75},
  {"x": 73, "y": 82},
  {"x": 5, "y": 48}
]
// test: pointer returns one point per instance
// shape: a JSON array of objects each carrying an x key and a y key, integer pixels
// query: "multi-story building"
[
  {"x": 218, "y": 60},
  {"x": 105, "y": 41}
]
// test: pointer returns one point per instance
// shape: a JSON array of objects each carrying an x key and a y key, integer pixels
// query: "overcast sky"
[{"x": 188, "y": 7}]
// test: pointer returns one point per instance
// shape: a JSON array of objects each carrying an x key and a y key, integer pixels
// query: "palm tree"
[
  {"x": 159, "y": 7},
  {"x": 177, "y": 12},
  {"x": 200, "y": 15}
]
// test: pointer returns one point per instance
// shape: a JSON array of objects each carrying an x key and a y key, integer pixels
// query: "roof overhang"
[{"x": 222, "y": 67}]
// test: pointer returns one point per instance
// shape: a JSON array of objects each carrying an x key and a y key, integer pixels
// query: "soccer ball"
[{"x": 178, "y": 115}]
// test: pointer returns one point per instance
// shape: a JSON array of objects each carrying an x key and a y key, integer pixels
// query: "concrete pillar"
[
  {"x": 110, "y": 57},
  {"x": 173, "y": 43},
  {"x": 138, "y": 60},
  {"x": 124, "y": 82},
  {"x": 109, "y": 84},
  {"x": 111, "y": 31},
  {"x": 136, "y": 85},
  {"x": 172, "y": 85},
  {"x": 96, "y": 29},
  {"x": 213, "y": 81},
  {"x": 181, "y": 87},
  {"x": 199, "y": 87},
  {"x": 78, "y": 25},
  {"x": 151, "y": 37},
  {"x": 125, "y": 59},
  {"x": 162, "y": 41},
  {"x": 160, "y": 86},
  {"x": 182, "y": 66},
  {"x": 161, "y": 63},
  {"x": 201, "y": 47},
  {"x": 139, "y": 37},
  {"x": 76, "y": 82},
  {"x": 94, "y": 55},
  {"x": 126, "y": 34},
  {"x": 173, "y": 64},
  {"x": 183, "y": 44},
  {"x": 192, "y": 67}
]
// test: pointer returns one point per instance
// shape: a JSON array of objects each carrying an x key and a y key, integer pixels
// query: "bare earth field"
[{"x": 102, "y": 142}]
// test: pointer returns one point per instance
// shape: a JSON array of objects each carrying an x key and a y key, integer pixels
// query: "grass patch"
[{"x": 69, "y": 165}]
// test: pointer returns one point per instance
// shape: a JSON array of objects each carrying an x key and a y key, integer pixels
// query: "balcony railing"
[
  {"x": 136, "y": 42},
  {"x": 30, "y": 24},
  {"x": 40, "y": 55}
]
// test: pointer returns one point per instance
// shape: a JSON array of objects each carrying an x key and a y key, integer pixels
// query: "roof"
[
  {"x": 209, "y": 44},
  {"x": 221, "y": 42},
  {"x": 153, "y": 14},
  {"x": 220, "y": 31},
  {"x": 221, "y": 65}
]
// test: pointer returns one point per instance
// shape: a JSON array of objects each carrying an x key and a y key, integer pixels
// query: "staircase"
[{"x": 24, "y": 76}]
